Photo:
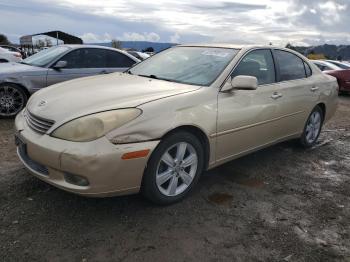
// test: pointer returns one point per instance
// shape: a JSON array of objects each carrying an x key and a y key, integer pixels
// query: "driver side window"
[
  {"x": 258, "y": 63},
  {"x": 85, "y": 58}
]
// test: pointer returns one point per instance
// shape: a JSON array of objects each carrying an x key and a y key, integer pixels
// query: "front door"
[
  {"x": 80, "y": 63},
  {"x": 247, "y": 119}
]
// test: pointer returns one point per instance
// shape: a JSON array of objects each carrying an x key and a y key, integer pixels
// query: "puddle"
[
  {"x": 253, "y": 182},
  {"x": 220, "y": 198},
  {"x": 241, "y": 179}
]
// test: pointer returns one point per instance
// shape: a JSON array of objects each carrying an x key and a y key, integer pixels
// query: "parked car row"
[
  {"x": 54, "y": 65},
  {"x": 340, "y": 70},
  {"x": 156, "y": 127}
]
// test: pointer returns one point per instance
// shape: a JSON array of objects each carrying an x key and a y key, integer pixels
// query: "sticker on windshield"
[{"x": 215, "y": 53}]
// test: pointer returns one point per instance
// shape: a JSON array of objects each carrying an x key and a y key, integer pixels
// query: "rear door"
[{"x": 297, "y": 92}]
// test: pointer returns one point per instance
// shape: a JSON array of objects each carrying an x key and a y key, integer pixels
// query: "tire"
[
  {"x": 312, "y": 129},
  {"x": 12, "y": 100},
  {"x": 153, "y": 187},
  {"x": 3, "y": 61}
]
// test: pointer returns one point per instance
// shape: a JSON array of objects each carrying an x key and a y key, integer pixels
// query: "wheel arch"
[
  {"x": 199, "y": 133},
  {"x": 25, "y": 90},
  {"x": 323, "y": 108}
]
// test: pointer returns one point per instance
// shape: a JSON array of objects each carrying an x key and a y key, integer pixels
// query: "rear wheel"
[
  {"x": 3, "y": 61},
  {"x": 12, "y": 100},
  {"x": 312, "y": 128},
  {"x": 173, "y": 169}
]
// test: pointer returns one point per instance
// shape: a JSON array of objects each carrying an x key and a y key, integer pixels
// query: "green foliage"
[{"x": 4, "y": 40}]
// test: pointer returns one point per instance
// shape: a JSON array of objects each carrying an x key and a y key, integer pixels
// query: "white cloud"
[
  {"x": 95, "y": 38},
  {"x": 175, "y": 38},
  {"x": 236, "y": 21},
  {"x": 132, "y": 36},
  {"x": 128, "y": 36}
]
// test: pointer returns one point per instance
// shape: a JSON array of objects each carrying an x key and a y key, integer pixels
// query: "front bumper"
[{"x": 100, "y": 162}]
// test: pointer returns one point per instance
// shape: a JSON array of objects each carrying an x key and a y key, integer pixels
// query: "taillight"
[{"x": 17, "y": 55}]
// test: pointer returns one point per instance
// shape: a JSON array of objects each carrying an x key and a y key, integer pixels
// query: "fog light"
[{"x": 76, "y": 180}]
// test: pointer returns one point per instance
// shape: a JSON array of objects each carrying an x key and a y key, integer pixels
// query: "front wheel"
[
  {"x": 12, "y": 100},
  {"x": 312, "y": 128},
  {"x": 173, "y": 169}
]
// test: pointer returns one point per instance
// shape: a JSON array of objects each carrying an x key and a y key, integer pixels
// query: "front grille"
[
  {"x": 31, "y": 163},
  {"x": 36, "y": 123}
]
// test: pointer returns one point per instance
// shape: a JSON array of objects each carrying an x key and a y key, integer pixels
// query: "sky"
[{"x": 299, "y": 22}]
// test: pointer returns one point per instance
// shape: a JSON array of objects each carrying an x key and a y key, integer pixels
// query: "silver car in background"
[{"x": 56, "y": 64}]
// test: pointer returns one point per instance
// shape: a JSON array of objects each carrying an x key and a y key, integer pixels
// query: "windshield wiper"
[
  {"x": 150, "y": 76},
  {"x": 158, "y": 78}
]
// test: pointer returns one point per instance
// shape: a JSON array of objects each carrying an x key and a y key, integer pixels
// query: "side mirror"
[
  {"x": 244, "y": 82},
  {"x": 60, "y": 64}
]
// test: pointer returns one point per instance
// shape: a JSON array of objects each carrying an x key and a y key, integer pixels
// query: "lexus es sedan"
[
  {"x": 54, "y": 65},
  {"x": 158, "y": 126},
  {"x": 342, "y": 73}
]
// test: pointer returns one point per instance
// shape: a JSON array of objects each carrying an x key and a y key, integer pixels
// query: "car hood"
[
  {"x": 65, "y": 101},
  {"x": 7, "y": 69}
]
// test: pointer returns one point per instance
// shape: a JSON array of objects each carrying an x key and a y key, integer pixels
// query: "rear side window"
[
  {"x": 116, "y": 59},
  {"x": 258, "y": 63},
  {"x": 290, "y": 66},
  {"x": 307, "y": 69}
]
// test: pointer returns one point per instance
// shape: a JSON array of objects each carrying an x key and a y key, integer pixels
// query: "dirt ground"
[{"x": 279, "y": 204}]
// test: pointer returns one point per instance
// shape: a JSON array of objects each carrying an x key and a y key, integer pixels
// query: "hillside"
[{"x": 341, "y": 52}]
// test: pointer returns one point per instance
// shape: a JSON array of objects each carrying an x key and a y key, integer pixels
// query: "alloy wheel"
[
  {"x": 11, "y": 100},
  {"x": 313, "y": 127},
  {"x": 176, "y": 169}
]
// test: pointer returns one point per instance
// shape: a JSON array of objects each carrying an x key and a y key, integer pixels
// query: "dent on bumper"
[{"x": 99, "y": 161}]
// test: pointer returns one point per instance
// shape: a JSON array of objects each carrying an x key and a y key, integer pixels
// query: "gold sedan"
[{"x": 158, "y": 126}]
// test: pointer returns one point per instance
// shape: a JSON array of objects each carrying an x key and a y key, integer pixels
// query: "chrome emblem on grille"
[{"x": 42, "y": 103}]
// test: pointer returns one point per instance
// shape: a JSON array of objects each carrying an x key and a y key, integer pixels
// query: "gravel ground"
[{"x": 279, "y": 204}]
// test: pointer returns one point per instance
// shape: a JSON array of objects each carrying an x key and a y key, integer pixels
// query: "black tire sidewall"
[
  {"x": 25, "y": 98},
  {"x": 149, "y": 187},
  {"x": 303, "y": 139}
]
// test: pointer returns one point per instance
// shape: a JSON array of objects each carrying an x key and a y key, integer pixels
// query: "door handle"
[
  {"x": 276, "y": 95},
  {"x": 314, "y": 88}
]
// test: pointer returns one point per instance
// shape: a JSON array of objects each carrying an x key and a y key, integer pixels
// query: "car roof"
[
  {"x": 228, "y": 45},
  {"x": 242, "y": 47},
  {"x": 338, "y": 62},
  {"x": 90, "y": 46}
]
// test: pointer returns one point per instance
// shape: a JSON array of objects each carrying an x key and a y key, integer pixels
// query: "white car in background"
[
  {"x": 341, "y": 64},
  {"x": 139, "y": 55},
  {"x": 324, "y": 65},
  {"x": 9, "y": 56}
]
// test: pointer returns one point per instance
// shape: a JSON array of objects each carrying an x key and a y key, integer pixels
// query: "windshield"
[
  {"x": 46, "y": 56},
  {"x": 189, "y": 65}
]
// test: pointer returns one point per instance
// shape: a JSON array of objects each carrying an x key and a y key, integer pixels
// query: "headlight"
[{"x": 91, "y": 127}]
